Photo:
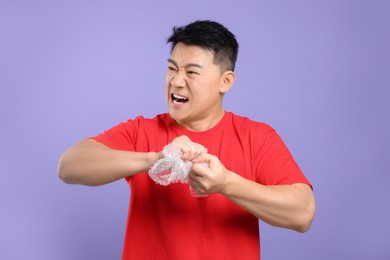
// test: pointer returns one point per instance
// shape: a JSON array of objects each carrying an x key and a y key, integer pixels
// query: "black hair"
[{"x": 212, "y": 36}]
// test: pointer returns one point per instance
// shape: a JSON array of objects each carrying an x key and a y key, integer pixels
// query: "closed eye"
[{"x": 191, "y": 72}]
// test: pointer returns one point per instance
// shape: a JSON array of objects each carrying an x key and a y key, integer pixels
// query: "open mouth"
[{"x": 178, "y": 99}]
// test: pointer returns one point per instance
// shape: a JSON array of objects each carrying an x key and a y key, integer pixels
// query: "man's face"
[{"x": 193, "y": 86}]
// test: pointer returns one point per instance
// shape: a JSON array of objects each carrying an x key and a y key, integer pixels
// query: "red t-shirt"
[{"x": 166, "y": 222}]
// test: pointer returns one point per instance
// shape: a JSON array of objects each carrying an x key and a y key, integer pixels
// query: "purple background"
[{"x": 317, "y": 71}]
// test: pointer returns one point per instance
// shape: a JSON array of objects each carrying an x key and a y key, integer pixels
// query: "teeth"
[{"x": 179, "y": 97}]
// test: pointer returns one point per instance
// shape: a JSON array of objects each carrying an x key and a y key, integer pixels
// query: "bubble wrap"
[{"x": 171, "y": 168}]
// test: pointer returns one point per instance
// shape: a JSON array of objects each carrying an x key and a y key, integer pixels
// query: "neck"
[{"x": 203, "y": 124}]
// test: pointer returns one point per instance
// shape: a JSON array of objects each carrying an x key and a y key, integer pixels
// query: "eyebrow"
[{"x": 186, "y": 66}]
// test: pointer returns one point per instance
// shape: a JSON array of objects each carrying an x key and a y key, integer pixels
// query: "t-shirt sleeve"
[
  {"x": 120, "y": 137},
  {"x": 275, "y": 164}
]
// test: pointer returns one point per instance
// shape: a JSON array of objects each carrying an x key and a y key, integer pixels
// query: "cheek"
[
  {"x": 166, "y": 81},
  {"x": 200, "y": 96},
  {"x": 206, "y": 91},
  {"x": 167, "y": 84},
  {"x": 168, "y": 78}
]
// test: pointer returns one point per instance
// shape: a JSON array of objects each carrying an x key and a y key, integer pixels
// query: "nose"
[{"x": 178, "y": 79}]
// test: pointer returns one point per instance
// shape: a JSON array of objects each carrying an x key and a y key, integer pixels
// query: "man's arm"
[
  {"x": 91, "y": 163},
  {"x": 287, "y": 206}
]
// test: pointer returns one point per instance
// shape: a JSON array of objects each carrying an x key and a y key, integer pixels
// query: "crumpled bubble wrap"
[{"x": 171, "y": 168}]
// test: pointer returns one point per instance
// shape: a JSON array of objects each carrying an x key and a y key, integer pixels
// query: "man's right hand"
[{"x": 190, "y": 150}]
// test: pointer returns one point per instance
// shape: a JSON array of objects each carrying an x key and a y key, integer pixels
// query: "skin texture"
[{"x": 193, "y": 77}]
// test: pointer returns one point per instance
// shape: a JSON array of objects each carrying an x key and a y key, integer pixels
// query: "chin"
[{"x": 176, "y": 116}]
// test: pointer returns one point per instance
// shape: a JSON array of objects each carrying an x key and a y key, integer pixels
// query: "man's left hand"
[{"x": 206, "y": 180}]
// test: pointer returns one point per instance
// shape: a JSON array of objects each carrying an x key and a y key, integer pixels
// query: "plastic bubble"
[{"x": 172, "y": 168}]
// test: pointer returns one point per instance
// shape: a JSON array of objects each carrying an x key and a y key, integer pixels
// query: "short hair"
[{"x": 212, "y": 36}]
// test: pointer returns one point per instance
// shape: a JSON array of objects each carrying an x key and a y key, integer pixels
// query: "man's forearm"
[
  {"x": 287, "y": 206},
  {"x": 91, "y": 163}
]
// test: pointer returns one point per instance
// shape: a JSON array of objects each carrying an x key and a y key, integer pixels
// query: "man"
[{"x": 247, "y": 172}]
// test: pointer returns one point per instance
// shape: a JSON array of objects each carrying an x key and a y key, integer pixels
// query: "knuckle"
[{"x": 206, "y": 187}]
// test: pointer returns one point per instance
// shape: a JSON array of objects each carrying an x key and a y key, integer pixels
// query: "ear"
[{"x": 228, "y": 79}]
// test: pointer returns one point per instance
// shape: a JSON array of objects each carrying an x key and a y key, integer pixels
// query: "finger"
[
  {"x": 197, "y": 193},
  {"x": 200, "y": 188},
  {"x": 196, "y": 185},
  {"x": 200, "y": 170},
  {"x": 194, "y": 174},
  {"x": 203, "y": 157},
  {"x": 191, "y": 151},
  {"x": 188, "y": 153}
]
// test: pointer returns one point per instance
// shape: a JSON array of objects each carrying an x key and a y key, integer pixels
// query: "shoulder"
[
  {"x": 140, "y": 121},
  {"x": 248, "y": 125},
  {"x": 256, "y": 133}
]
